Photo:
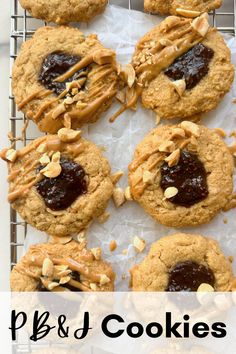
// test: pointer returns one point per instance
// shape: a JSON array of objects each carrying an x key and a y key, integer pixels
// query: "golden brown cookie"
[
  {"x": 59, "y": 183},
  {"x": 188, "y": 8},
  {"x": 47, "y": 267},
  {"x": 182, "y": 262},
  {"x": 181, "y": 68},
  {"x": 62, "y": 78},
  {"x": 182, "y": 174},
  {"x": 64, "y": 11}
]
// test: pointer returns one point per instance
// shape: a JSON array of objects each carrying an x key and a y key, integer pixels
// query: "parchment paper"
[{"x": 120, "y": 29}]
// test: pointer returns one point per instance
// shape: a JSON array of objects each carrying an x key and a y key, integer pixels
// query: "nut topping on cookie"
[
  {"x": 167, "y": 146},
  {"x": 190, "y": 128},
  {"x": 173, "y": 158},
  {"x": 11, "y": 155},
  {"x": 68, "y": 135},
  {"x": 170, "y": 192},
  {"x": 104, "y": 279},
  {"x": 187, "y": 13},
  {"x": 204, "y": 287},
  {"x": 48, "y": 268},
  {"x": 180, "y": 86},
  {"x": 51, "y": 170},
  {"x": 201, "y": 24}
]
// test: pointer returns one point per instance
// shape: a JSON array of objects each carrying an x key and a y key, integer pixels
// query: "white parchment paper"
[{"x": 120, "y": 29}]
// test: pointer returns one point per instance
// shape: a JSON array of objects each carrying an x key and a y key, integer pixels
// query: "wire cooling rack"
[{"x": 22, "y": 28}]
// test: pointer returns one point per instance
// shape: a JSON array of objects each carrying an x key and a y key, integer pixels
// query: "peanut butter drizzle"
[
  {"x": 95, "y": 105},
  {"x": 78, "y": 267},
  {"x": 162, "y": 58},
  {"x": 21, "y": 191},
  {"x": 86, "y": 61},
  {"x": 30, "y": 98},
  {"x": 38, "y": 257}
]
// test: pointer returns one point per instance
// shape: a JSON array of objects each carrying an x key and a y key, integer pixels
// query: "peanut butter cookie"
[
  {"x": 69, "y": 267},
  {"x": 182, "y": 175},
  {"x": 188, "y": 8},
  {"x": 62, "y": 78},
  {"x": 180, "y": 69},
  {"x": 183, "y": 262},
  {"x": 65, "y": 11},
  {"x": 59, "y": 183}
]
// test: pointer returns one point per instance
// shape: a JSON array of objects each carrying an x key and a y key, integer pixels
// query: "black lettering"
[
  {"x": 105, "y": 322},
  {"x": 62, "y": 332},
  {"x": 40, "y": 330},
  {"x": 130, "y": 330},
  {"x": 186, "y": 326},
  {"x": 14, "y": 318},
  {"x": 219, "y": 331},
  {"x": 172, "y": 329},
  {"x": 85, "y": 328},
  {"x": 154, "y": 325},
  {"x": 200, "y": 327}
]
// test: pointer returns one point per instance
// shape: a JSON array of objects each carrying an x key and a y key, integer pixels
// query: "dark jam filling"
[
  {"x": 55, "y": 65},
  {"x": 192, "y": 66},
  {"x": 73, "y": 275},
  {"x": 189, "y": 177},
  {"x": 60, "y": 192},
  {"x": 188, "y": 276}
]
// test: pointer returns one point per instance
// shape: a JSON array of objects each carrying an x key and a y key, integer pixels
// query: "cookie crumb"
[
  {"x": 104, "y": 279},
  {"x": 128, "y": 195},
  {"x": 220, "y": 132},
  {"x": 118, "y": 197},
  {"x": 113, "y": 245},
  {"x": 97, "y": 253},
  {"x": 225, "y": 221},
  {"x": 139, "y": 244},
  {"x": 117, "y": 176},
  {"x": 125, "y": 252},
  {"x": 231, "y": 259}
]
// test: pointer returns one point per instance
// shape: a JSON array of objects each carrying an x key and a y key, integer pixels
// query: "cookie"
[
  {"x": 188, "y": 8},
  {"x": 59, "y": 183},
  {"x": 66, "y": 11},
  {"x": 69, "y": 267},
  {"x": 62, "y": 78},
  {"x": 182, "y": 175},
  {"x": 182, "y": 262},
  {"x": 182, "y": 67}
]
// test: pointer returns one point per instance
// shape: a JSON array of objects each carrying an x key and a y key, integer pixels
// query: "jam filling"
[
  {"x": 60, "y": 192},
  {"x": 188, "y": 276},
  {"x": 55, "y": 65},
  {"x": 189, "y": 177},
  {"x": 74, "y": 275},
  {"x": 192, "y": 66}
]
